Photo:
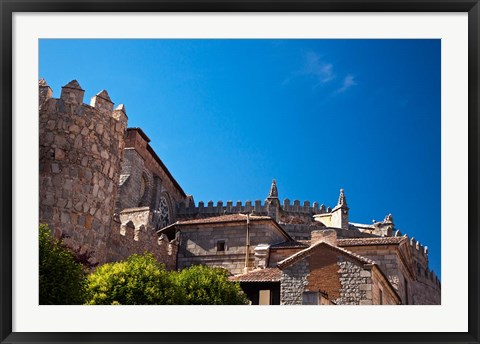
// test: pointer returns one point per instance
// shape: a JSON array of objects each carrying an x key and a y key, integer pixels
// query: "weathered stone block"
[
  {"x": 365, "y": 287},
  {"x": 365, "y": 273}
]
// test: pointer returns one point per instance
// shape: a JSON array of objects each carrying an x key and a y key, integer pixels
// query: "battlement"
[
  {"x": 419, "y": 250},
  {"x": 72, "y": 97},
  {"x": 221, "y": 208},
  {"x": 420, "y": 255},
  {"x": 129, "y": 238}
]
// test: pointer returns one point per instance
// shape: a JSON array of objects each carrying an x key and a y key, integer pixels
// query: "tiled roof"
[
  {"x": 259, "y": 275},
  {"x": 288, "y": 219},
  {"x": 317, "y": 224},
  {"x": 289, "y": 244},
  {"x": 370, "y": 241},
  {"x": 224, "y": 218},
  {"x": 306, "y": 252}
]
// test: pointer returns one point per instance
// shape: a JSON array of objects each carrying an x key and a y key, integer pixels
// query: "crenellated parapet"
[
  {"x": 419, "y": 251},
  {"x": 80, "y": 152},
  {"x": 271, "y": 207},
  {"x": 258, "y": 207},
  {"x": 132, "y": 233},
  {"x": 423, "y": 274}
]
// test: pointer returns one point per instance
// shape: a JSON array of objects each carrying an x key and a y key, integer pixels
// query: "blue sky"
[{"x": 228, "y": 116}]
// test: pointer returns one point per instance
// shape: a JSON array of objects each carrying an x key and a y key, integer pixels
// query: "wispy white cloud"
[
  {"x": 313, "y": 67},
  {"x": 321, "y": 70},
  {"x": 348, "y": 82}
]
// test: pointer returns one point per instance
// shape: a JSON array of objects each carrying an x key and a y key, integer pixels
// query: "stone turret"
[
  {"x": 340, "y": 212},
  {"x": 272, "y": 204},
  {"x": 80, "y": 152}
]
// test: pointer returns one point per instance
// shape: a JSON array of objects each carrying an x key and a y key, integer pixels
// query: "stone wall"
[
  {"x": 382, "y": 292},
  {"x": 414, "y": 289},
  {"x": 130, "y": 191},
  {"x": 293, "y": 282},
  {"x": 354, "y": 282},
  {"x": 199, "y": 244},
  {"x": 81, "y": 147},
  {"x": 387, "y": 258},
  {"x": 137, "y": 140},
  {"x": 287, "y": 211},
  {"x": 341, "y": 278},
  {"x": 146, "y": 182},
  {"x": 123, "y": 243},
  {"x": 425, "y": 293}
]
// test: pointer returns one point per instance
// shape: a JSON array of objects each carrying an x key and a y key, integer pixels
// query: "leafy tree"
[
  {"x": 140, "y": 280},
  {"x": 61, "y": 279},
  {"x": 209, "y": 286}
]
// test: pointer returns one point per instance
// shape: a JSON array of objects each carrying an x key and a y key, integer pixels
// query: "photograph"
[{"x": 240, "y": 172}]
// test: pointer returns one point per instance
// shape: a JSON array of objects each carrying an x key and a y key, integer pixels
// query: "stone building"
[{"x": 104, "y": 190}]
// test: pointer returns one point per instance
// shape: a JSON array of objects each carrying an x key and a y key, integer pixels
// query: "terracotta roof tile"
[
  {"x": 224, "y": 218},
  {"x": 259, "y": 275},
  {"x": 370, "y": 241},
  {"x": 288, "y": 219},
  {"x": 289, "y": 244}
]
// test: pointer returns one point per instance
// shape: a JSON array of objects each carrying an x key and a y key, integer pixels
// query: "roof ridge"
[{"x": 303, "y": 252}]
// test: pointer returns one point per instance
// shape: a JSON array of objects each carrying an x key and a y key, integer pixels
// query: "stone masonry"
[
  {"x": 293, "y": 282},
  {"x": 199, "y": 240},
  {"x": 353, "y": 280},
  {"x": 81, "y": 147}
]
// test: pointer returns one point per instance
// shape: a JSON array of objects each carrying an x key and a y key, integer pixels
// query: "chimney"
[
  {"x": 261, "y": 255},
  {"x": 327, "y": 235}
]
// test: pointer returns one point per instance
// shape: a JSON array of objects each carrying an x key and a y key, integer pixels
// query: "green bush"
[
  {"x": 140, "y": 280},
  {"x": 61, "y": 280},
  {"x": 203, "y": 285}
]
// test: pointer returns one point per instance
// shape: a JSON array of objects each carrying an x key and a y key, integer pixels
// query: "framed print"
[{"x": 367, "y": 111}]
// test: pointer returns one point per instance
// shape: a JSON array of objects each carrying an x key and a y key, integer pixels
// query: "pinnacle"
[
  {"x": 388, "y": 218},
  {"x": 342, "y": 200},
  {"x": 273, "y": 190},
  {"x": 42, "y": 82},
  {"x": 121, "y": 107},
  {"x": 104, "y": 95},
  {"x": 73, "y": 84}
]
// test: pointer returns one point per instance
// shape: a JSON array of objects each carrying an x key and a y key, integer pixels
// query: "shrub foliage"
[
  {"x": 61, "y": 280},
  {"x": 203, "y": 285},
  {"x": 141, "y": 280}
]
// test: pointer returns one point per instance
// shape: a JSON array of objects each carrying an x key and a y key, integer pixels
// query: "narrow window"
[
  {"x": 221, "y": 246},
  {"x": 381, "y": 297}
]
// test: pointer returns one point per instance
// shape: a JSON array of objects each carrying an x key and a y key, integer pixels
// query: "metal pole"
[{"x": 247, "y": 246}]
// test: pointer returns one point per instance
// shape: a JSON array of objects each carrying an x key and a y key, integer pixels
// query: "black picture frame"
[{"x": 9, "y": 7}]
